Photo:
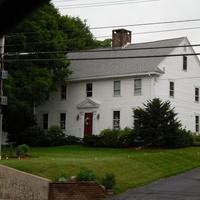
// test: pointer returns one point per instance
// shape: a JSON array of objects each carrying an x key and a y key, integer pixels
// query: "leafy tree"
[
  {"x": 155, "y": 122},
  {"x": 32, "y": 76}
]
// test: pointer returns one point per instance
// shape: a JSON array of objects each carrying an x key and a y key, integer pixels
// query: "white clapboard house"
[{"x": 106, "y": 84}]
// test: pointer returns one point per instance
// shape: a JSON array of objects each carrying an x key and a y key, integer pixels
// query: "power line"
[
  {"x": 87, "y": 5},
  {"x": 97, "y": 50},
  {"x": 101, "y": 58},
  {"x": 149, "y": 24},
  {"x": 137, "y": 33},
  {"x": 117, "y": 26}
]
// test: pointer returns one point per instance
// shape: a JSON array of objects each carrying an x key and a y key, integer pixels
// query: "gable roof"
[
  {"x": 109, "y": 62},
  {"x": 88, "y": 103}
]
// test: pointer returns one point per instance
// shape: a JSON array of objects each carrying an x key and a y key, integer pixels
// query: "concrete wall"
[{"x": 17, "y": 185}]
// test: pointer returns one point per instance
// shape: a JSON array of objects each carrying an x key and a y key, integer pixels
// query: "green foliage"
[
  {"x": 196, "y": 138},
  {"x": 109, "y": 138},
  {"x": 136, "y": 170},
  {"x": 109, "y": 181},
  {"x": 180, "y": 139},
  {"x": 153, "y": 122},
  {"x": 91, "y": 141},
  {"x": 86, "y": 175},
  {"x": 55, "y": 136},
  {"x": 22, "y": 150},
  {"x": 35, "y": 136},
  {"x": 125, "y": 137},
  {"x": 30, "y": 82},
  {"x": 62, "y": 178},
  {"x": 71, "y": 140}
]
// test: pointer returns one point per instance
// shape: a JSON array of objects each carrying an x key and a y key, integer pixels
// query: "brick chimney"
[{"x": 120, "y": 37}]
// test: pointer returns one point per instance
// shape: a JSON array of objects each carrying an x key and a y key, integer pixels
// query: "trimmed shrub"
[
  {"x": 196, "y": 138},
  {"x": 109, "y": 181},
  {"x": 35, "y": 136},
  {"x": 22, "y": 150},
  {"x": 86, "y": 175},
  {"x": 180, "y": 139},
  {"x": 109, "y": 138},
  {"x": 125, "y": 137},
  {"x": 55, "y": 136},
  {"x": 91, "y": 141},
  {"x": 71, "y": 140}
]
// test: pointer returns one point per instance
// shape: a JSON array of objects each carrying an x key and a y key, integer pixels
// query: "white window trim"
[
  {"x": 172, "y": 81},
  {"x": 117, "y": 95},
  {"x": 139, "y": 94}
]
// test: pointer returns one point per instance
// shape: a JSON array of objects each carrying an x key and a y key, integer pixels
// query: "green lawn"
[{"x": 131, "y": 167}]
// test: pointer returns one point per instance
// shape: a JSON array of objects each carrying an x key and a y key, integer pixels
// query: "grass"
[{"x": 132, "y": 168}]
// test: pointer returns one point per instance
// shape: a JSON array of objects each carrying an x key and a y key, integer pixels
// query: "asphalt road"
[{"x": 185, "y": 186}]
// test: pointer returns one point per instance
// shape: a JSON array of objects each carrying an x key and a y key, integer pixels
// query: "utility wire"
[
  {"x": 100, "y": 58},
  {"x": 117, "y": 26},
  {"x": 89, "y": 5},
  {"x": 137, "y": 33},
  {"x": 97, "y": 50}
]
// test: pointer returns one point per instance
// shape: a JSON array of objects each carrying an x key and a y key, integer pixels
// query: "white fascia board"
[{"x": 115, "y": 76}]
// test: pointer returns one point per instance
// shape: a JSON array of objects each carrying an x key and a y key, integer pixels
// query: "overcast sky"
[{"x": 103, "y": 16}]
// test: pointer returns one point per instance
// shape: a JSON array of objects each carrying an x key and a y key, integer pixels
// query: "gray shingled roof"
[{"x": 111, "y": 62}]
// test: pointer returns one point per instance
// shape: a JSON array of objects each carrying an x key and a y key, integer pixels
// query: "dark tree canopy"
[
  {"x": 33, "y": 75},
  {"x": 156, "y": 121}
]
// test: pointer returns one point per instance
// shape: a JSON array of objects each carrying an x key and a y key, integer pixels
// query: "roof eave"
[{"x": 115, "y": 76}]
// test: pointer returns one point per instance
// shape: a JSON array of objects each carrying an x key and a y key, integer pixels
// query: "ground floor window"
[
  {"x": 116, "y": 119},
  {"x": 45, "y": 120},
  {"x": 197, "y": 123},
  {"x": 63, "y": 120}
]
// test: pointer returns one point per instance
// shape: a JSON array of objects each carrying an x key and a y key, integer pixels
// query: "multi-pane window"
[
  {"x": 117, "y": 88},
  {"x": 63, "y": 92},
  {"x": 197, "y": 123},
  {"x": 171, "y": 89},
  {"x": 116, "y": 119},
  {"x": 45, "y": 119},
  {"x": 137, "y": 86},
  {"x": 62, "y": 120},
  {"x": 89, "y": 90},
  {"x": 185, "y": 63},
  {"x": 196, "y": 94}
]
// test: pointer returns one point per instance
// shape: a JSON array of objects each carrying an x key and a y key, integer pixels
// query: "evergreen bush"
[
  {"x": 125, "y": 137},
  {"x": 109, "y": 181},
  {"x": 22, "y": 150},
  {"x": 109, "y": 138},
  {"x": 91, "y": 141},
  {"x": 35, "y": 137},
  {"x": 55, "y": 136},
  {"x": 86, "y": 175}
]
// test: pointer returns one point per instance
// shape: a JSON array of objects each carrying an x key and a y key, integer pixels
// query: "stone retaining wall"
[{"x": 17, "y": 185}]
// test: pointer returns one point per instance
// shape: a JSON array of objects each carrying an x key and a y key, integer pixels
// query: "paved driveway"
[{"x": 185, "y": 186}]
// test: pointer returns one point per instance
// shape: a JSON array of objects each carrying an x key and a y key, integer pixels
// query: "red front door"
[{"x": 88, "y": 122}]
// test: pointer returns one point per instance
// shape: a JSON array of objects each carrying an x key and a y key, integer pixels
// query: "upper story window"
[
  {"x": 196, "y": 94},
  {"x": 63, "y": 120},
  {"x": 171, "y": 89},
  {"x": 45, "y": 121},
  {"x": 185, "y": 63},
  {"x": 197, "y": 123},
  {"x": 116, "y": 119},
  {"x": 138, "y": 86},
  {"x": 63, "y": 92},
  {"x": 89, "y": 90},
  {"x": 117, "y": 88}
]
